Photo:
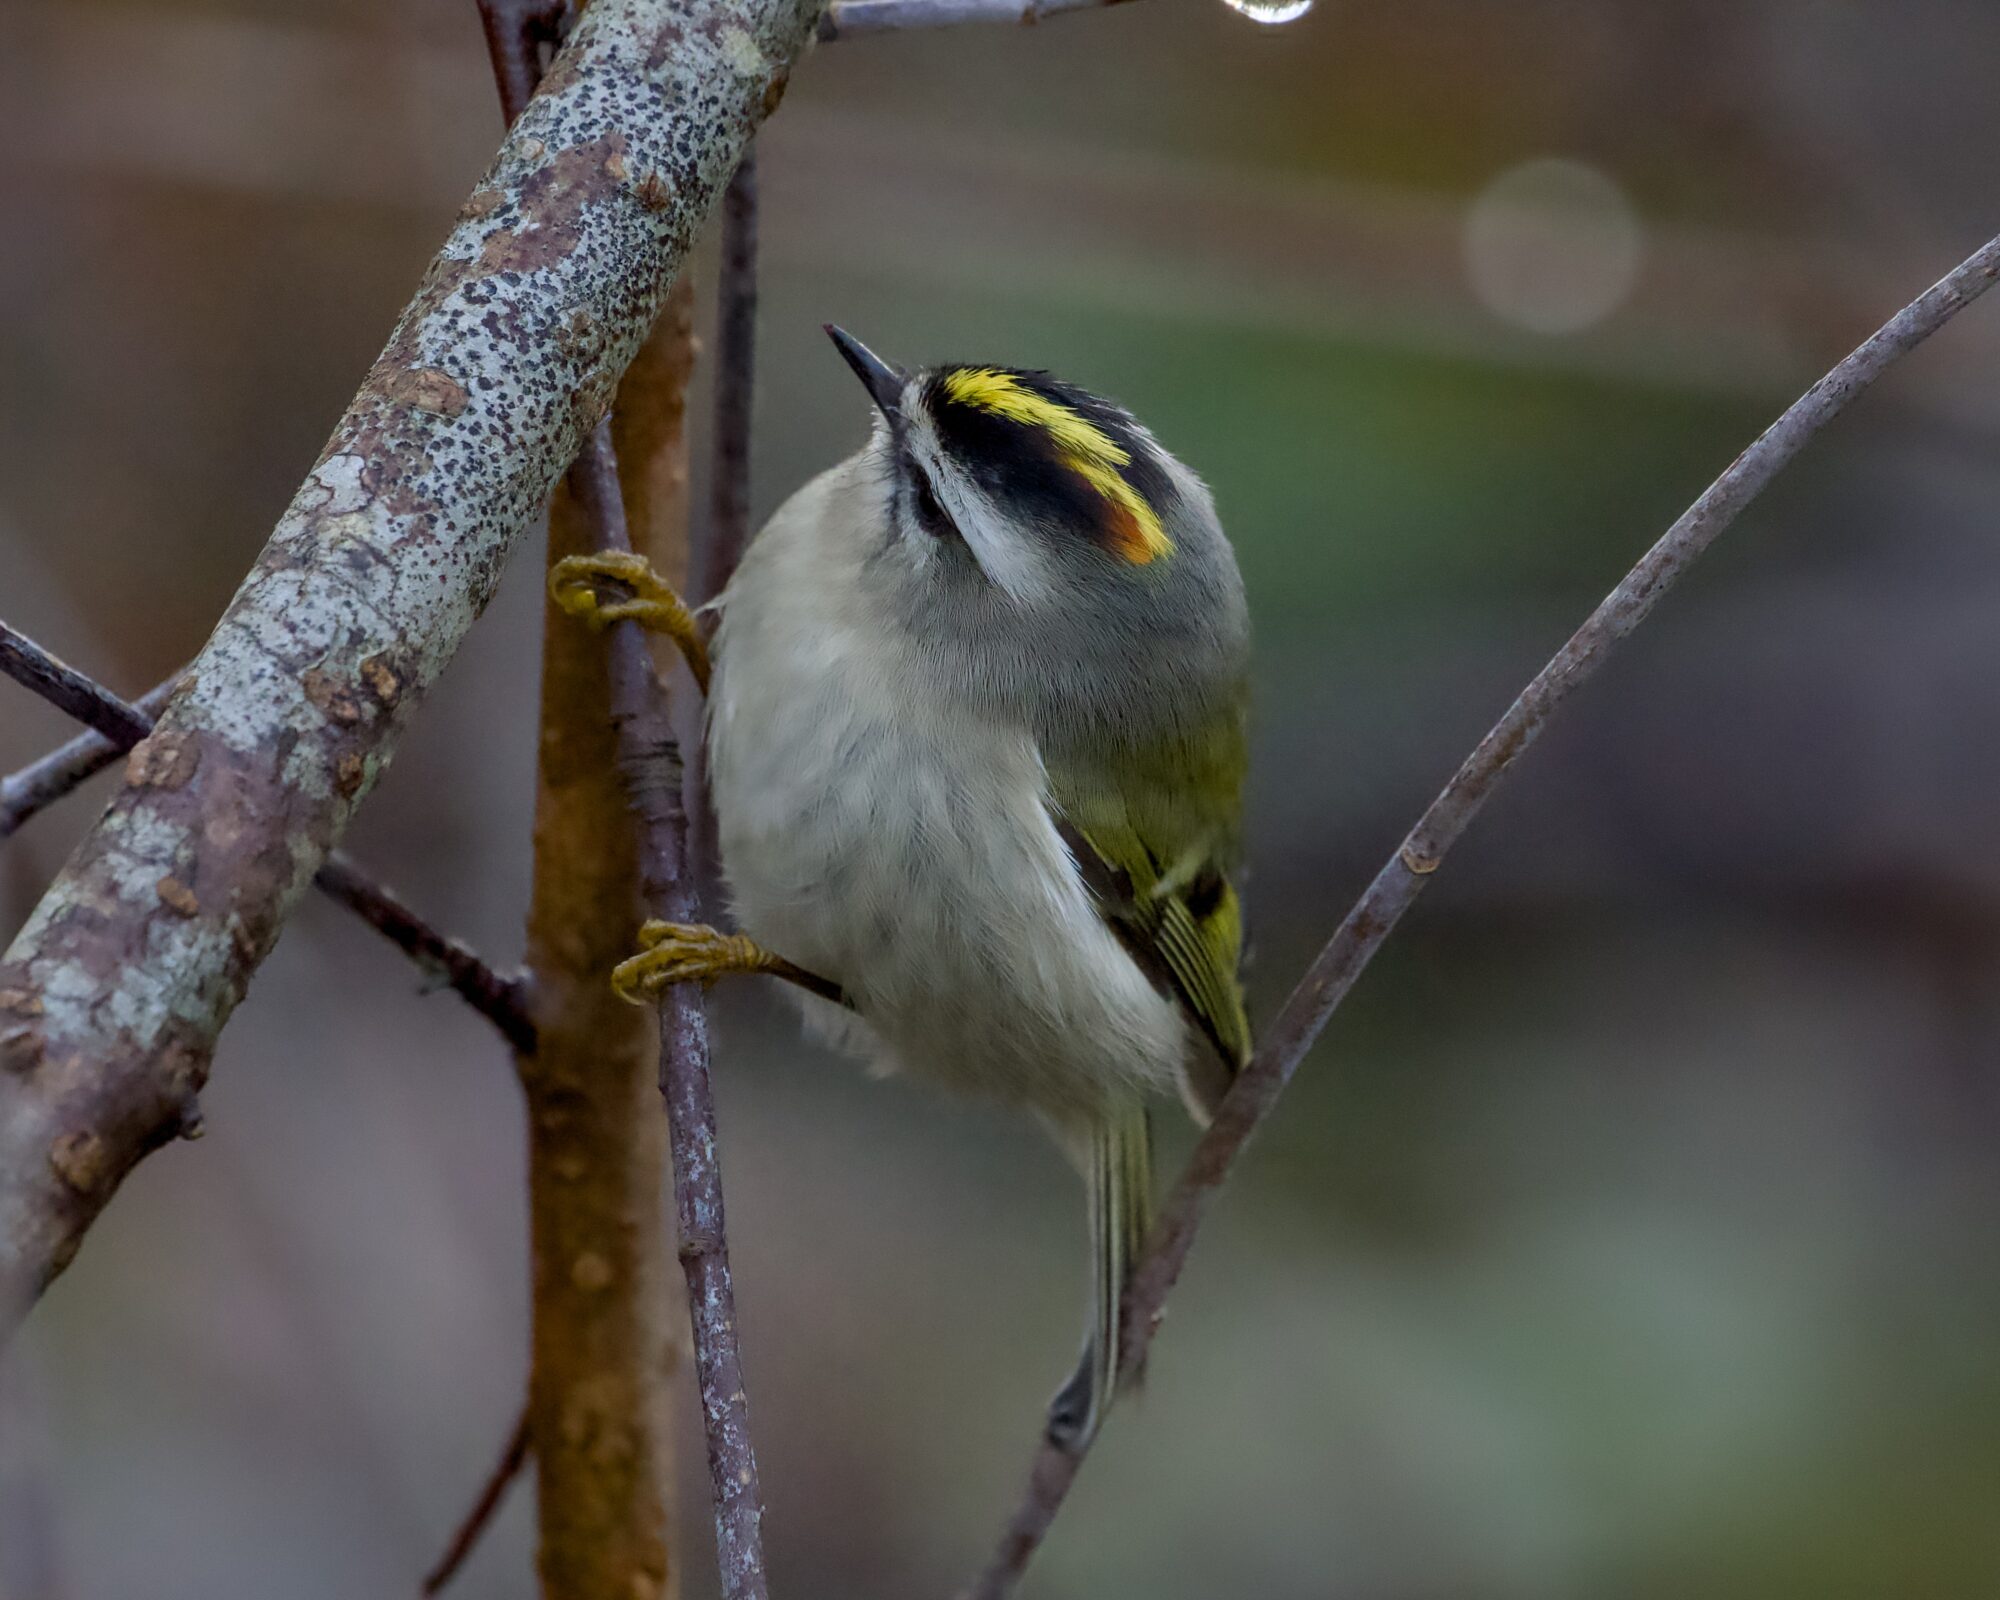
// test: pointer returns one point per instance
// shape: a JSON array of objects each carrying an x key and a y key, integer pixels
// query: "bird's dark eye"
[{"x": 931, "y": 516}]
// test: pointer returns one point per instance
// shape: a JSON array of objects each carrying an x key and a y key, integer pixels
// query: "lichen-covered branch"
[
  {"x": 124, "y": 726},
  {"x": 846, "y": 18},
  {"x": 597, "y": 1396},
  {"x": 1395, "y": 888},
  {"x": 497, "y": 370}
]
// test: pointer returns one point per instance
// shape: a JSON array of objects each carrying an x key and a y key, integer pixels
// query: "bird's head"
[{"x": 1045, "y": 524}]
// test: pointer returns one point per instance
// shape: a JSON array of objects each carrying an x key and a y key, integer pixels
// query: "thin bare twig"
[
  {"x": 1395, "y": 888},
  {"x": 500, "y": 999},
  {"x": 517, "y": 31},
  {"x": 512, "y": 1459},
  {"x": 50, "y": 778},
  {"x": 735, "y": 384},
  {"x": 649, "y": 757},
  {"x": 78, "y": 697},
  {"x": 123, "y": 725},
  {"x": 843, "y": 19},
  {"x": 717, "y": 552}
]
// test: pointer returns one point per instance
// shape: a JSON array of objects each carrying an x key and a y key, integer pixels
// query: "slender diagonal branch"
[
  {"x": 1395, "y": 888},
  {"x": 649, "y": 757},
  {"x": 499, "y": 367},
  {"x": 843, "y": 19},
  {"x": 43, "y": 782},
  {"x": 512, "y": 1459},
  {"x": 78, "y": 697},
  {"x": 123, "y": 726},
  {"x": 500, "y": 999}
]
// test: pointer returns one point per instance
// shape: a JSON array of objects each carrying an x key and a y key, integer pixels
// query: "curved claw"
[
  {"x": 676, "y": 952},
  {"x": 574, "y": 582}
]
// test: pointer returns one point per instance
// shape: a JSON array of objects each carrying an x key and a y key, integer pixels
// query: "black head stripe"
[{"x": 1022, "y": 467}]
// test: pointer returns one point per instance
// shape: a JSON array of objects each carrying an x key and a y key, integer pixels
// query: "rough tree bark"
[
  {"x": 114, "y": 992},
  {"x": 603, "y": 1309},
  {"x": 122, "y": 726}
]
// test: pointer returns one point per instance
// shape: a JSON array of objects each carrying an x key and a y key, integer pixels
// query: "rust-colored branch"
[
  {"x": 512, "y": 1459},
  {"x": 649, "y": 757},
  {"x": 597, "y": 1401},
  {"x": 508, "y": 353},
  {"x": 596, "y": 1143},
  {"x": 121, "y": 727},
  {"x": 1395, "y": 888}
]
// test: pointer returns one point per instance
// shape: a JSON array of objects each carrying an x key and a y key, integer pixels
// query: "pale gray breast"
[{"x": 879, "y": 830}]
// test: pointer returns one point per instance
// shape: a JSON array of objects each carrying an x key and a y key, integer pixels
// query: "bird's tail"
[{"x": 1120, "y": 1180}]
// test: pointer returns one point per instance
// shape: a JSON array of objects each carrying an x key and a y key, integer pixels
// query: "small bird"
[{"x": 976, "y": 740}]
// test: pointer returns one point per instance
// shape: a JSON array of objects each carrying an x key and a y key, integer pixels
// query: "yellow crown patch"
[{"x": 1086, "y": 449}]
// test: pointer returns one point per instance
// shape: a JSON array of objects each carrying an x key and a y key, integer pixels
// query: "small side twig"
[
  {"x": 50, "y": 778},
  {"x": 499, "y": 999},
  {"x": 843, "y": 19},
  {"x": 735, "y": 384},
  {"x": 716, "y": 554},
  {"x": 1395, "y": 888},
  {"x": 647, "y": 753},
  {"x": 123, "y": 725},
  {"x": 517, "y": 31},
  {"x": 512, "y": 1459},
  {"x": 69, "y": 691}
]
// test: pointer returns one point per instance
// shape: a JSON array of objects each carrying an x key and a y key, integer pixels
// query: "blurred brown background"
[{"x": 1632, "y": 1232}]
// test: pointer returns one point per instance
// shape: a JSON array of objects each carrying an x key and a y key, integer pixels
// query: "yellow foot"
[
  {"x": 574, "y": 582},
  {"x": 679, "y": 952},
  {"x": 676, "y": 952}
]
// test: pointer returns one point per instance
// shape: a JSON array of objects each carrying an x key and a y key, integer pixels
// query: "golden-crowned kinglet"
[{"x": 976, "y": 740}]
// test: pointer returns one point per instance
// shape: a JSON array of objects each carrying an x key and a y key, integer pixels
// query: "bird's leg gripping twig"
[
  {"x": 679, "y": 952},
  {"x": 653, "y": 602},
  {"x": 672, "y": 952}
]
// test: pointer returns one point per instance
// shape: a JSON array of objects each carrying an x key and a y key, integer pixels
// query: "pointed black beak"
[{"x": 883, "y": 382}]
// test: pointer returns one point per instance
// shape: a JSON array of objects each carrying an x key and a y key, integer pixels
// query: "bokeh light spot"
[{"x": 1553, "y": 246}]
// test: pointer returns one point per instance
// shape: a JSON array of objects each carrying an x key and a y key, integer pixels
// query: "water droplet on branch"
[{"x": 1271, "y": 12}]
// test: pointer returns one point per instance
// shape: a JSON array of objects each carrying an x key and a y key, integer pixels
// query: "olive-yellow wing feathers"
[{"x": 1159, "y": 875}]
